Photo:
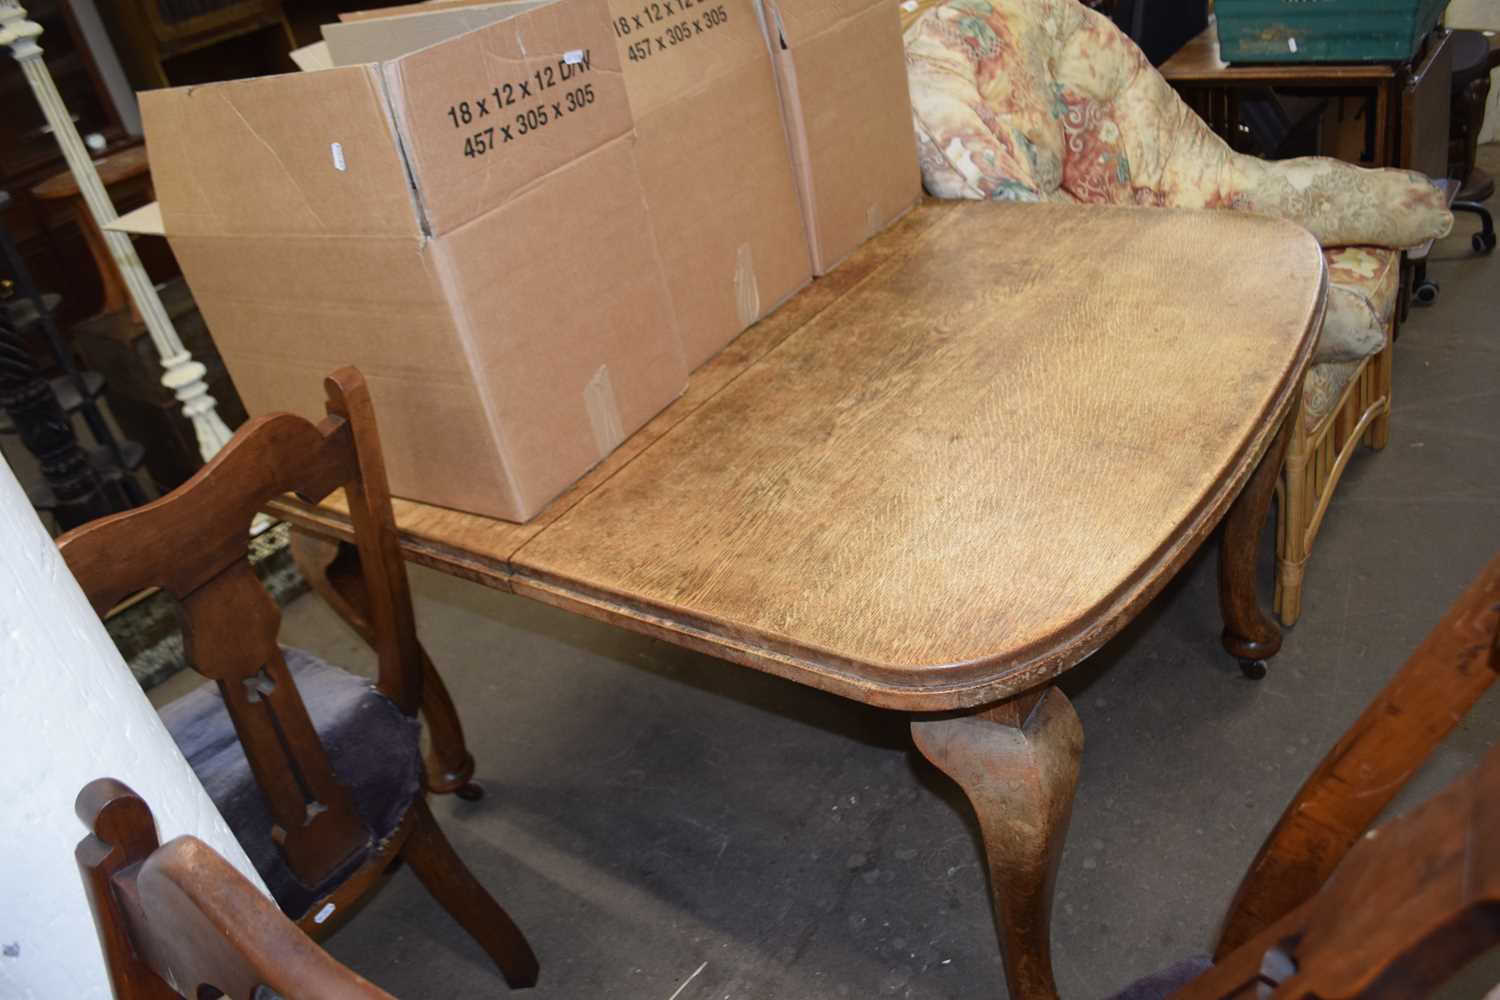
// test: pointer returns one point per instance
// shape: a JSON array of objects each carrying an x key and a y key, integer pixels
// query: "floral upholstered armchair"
[{"x": 1046, "y": 100}]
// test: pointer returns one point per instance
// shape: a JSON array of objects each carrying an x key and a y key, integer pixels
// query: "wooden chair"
[
  {"x": 318, "y": 773},
  {"x": 177, "y": 920},
  {"x": 1327, "y": 910}
]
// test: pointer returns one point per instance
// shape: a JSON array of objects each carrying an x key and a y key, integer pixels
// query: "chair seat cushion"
[
  {"x": 1362, "y": 289},
  {"x": 373, "y": 748},
  {"x": 1160, "y": 985},
  {"x": 1322, "y": 388}
]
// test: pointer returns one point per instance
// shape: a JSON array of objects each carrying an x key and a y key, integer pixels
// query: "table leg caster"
[
  {"x": 1426, "y": 293},
  {"x": 1253, "y": 669},
  {"x": 473, "y": 791}
]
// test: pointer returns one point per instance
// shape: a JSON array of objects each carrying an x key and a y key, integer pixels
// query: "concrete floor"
[{"x": 666, "y": 826}]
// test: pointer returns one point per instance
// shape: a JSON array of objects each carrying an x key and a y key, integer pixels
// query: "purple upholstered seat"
[
  {"x": 373, "y": 748},
  {"x": 1160, "y": 985}
]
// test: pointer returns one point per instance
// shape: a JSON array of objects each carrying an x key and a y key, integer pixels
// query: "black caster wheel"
[
  {"x": 470, "y": 791},
  {"x": 1253, "y": 669},
  {"x": 1427, "y": 292},
  {"x": 1483, "y": 242}
]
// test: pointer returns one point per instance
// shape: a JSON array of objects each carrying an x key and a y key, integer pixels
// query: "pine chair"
[{"x": 317, "y": 772}]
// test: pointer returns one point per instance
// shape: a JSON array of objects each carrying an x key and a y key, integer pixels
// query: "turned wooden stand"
[{"x": 941, "y": 476}]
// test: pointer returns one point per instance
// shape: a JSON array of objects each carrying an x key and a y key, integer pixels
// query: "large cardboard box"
[
  {"x": 465, "y": 223},
  {"x": 843, "y": 82},
  {"x": 713, "y": 148}
]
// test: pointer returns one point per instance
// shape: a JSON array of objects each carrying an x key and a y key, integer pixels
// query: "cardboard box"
[
  {"x": 715, "y": 162},
  {"x": 466, "y": 224},
  {"x": 713, "y": 148},
  {"x": 843, "y": 83}
]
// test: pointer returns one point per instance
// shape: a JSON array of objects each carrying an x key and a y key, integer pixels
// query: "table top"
[
  {"x": 947, "y": 471},
  {"x": 118, "y": 166},
  {"x": 1198, "y": 61}
]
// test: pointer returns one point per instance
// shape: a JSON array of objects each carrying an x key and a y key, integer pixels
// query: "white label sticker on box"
[
  {"x": 573, "y": 57},
  {"x": 338, "y": 156}
]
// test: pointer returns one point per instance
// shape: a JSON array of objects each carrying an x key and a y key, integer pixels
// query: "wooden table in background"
[
  {"x": 1396, "y": 91},
  {"x": 940, "y": 477}
]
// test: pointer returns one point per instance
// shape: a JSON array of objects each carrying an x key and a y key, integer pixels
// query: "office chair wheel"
[
  {"x": 1426, "y": 292},
  {"x": 1483, "y": 242},
  {"x": 470, "y": 791},
  {"x": 1253, "y": 669}
]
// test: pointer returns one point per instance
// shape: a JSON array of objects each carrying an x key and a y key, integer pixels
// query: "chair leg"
[
  {"x": 1291, "y": 560},
  {"x": 332, "y": 569},
  {"x": 1484, "y": 240},
  {"x": 450, "y": 766},
  {"x": 1380, "y": 428},
  {"x": 451, "y": 883},
  {"x": 1290, "y": 580}
]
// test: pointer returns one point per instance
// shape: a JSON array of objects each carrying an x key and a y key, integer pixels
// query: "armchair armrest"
[
  {"x": 1342, "y": 204},
  {"x": 1047, "y": 100}
]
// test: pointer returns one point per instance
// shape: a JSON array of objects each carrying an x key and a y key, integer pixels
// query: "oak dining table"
[{"x": 939, "y": 477}]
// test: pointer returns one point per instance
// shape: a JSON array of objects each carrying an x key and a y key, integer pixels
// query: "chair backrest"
[
  {"x": 1412, "y": 903},
  {"x": 1327, "y": 909},
  {"x": 177, "y": 920},
  {"x": 194, "y": 544}
]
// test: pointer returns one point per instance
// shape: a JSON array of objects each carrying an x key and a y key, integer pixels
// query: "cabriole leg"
[{"x": 1017, "y": 762}]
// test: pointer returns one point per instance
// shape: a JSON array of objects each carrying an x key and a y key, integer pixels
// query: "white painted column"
[
  {"x": 183, "y": 375},
  {"x": 72, "y": 713}
]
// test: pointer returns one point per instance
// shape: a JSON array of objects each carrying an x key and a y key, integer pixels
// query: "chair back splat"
[
  {"x": 194, "y": 544},
  {"x": 1329, "y": 910}
]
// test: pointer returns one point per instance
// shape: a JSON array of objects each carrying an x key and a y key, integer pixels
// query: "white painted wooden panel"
[{"x": 72, "y": 712}]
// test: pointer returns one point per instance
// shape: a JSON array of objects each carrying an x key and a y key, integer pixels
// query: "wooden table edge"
[
  {"x": 335, "y": 526},
  {"x": 1298, "y": 74}
]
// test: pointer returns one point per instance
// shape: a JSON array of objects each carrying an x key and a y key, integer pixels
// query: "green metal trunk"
[{"x": 1323, "y": 31}]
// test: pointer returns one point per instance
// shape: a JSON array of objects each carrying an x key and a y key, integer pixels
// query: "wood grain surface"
[
  {"x": 954, "y": 478},
  {"x": 1199, "y": 61}
]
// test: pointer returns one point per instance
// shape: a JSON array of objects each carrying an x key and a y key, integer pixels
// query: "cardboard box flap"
[
  {"x": 678, "y": 48},
  {"x": 299, "y": 154},
  {"x": 144, "y": 221},
  {"x": 799, "y": 21},
  {"x": 380, "y": 39},
  {"x": 409, "y": 8},
  {"x": 311, "y": 57},
  {"x": 484, "y": 115}
]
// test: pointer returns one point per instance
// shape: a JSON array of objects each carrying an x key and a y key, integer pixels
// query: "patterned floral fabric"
[
  {"x": 1362, "y": 287},
  {"x": 1322, "y": 388},
  {"x": 1038, "y": 100}
]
